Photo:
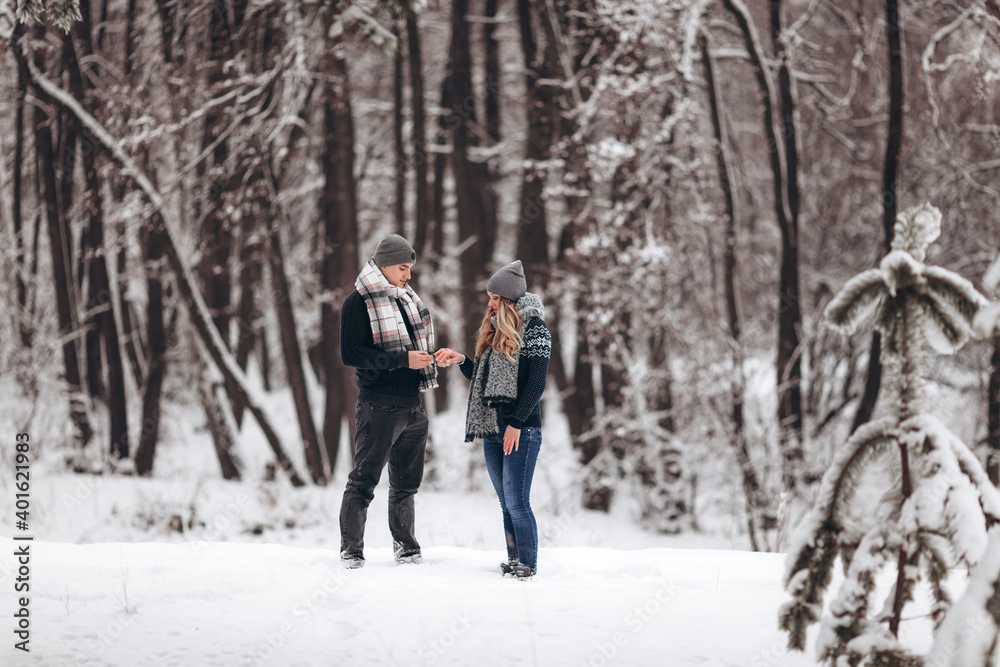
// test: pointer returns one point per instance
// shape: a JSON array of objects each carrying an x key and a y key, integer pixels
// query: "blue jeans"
[{"x": 511, "y": 475}]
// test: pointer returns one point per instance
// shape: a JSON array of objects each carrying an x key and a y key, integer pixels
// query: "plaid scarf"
[{"x": 388, "y": 325}]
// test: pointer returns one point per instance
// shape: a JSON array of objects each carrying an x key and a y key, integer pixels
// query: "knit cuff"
[{"x": 516, "y": 423}]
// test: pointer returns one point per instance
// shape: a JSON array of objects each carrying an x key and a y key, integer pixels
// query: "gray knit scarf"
[{"x": 494, "y": 378}]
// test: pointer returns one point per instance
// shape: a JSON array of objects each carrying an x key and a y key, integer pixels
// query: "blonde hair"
[{"x": 505, "y": 337}]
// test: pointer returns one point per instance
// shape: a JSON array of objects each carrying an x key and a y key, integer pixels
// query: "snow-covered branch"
[{"x": 186, "y": 282}]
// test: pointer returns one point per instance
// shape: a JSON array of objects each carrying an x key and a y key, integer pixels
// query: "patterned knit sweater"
[{"x": 532, "y": 370}]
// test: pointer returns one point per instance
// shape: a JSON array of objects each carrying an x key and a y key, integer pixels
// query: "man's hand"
[
  {"x": 447, "y": 356},
  {"x": 419, "y": 359},
  {"x": 511, "y": 439}
]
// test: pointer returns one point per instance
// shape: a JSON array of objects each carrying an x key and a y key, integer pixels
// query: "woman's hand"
[
  {"x": 511, "y": 439},
  {"x": 446, "y": 356}
]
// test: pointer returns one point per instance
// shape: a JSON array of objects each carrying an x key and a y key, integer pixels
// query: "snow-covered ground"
[
  {"x": 205, "y": 603},
  {"x": 228, "y": 597},
  {"x": 249, "y": 574}
]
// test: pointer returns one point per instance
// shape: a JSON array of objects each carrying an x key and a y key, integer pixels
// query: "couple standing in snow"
[{"x": 387, "y": 336}]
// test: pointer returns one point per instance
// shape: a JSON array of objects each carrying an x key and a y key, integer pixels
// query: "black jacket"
[{"x": 378, "y": 371}]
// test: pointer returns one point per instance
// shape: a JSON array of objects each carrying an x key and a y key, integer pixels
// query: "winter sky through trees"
[{"x": 767, "y": 240}]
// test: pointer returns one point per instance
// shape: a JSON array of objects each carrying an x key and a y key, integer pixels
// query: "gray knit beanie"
[
  {"x": 393, "y": 250},
  {"x": 509, "y": 282}
]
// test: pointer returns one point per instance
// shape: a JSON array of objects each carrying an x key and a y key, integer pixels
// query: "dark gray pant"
[{"x": 393, "y": 435}]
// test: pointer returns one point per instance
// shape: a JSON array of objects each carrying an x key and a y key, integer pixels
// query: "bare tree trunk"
[
  {"x": 786, "y": 211},
  {"x": 250, "y": 279},
  {"x": 789, "y": 362},
  {"x": 149, "y": 371},
  {"x": 338, "y": 211},
  {"x": 263, "y": 352},
  {"x": 890, "y": 174},
  {"x": 993, "y": 7},
  {"x": 88, "y": 251},
  {"x": 753, "y": 494},
  {"x": 487, "y": 172},
  {"x": 36, "y": 235},
  {"x": 217, "y": 233},
  {"x": 420, "y": 156},
  {"x": 437, "y": 198},
  {"x": 167, "y": 10},
  {"x": 491, "y": 62},
  {"x": 542, "y": 113},
  {"x": 130, "y": 35},
  {"x": 44, "y": 152},
  {"x": 293, "y": 355},
  {"x": 99, "y": 294},
  {"x": 399, "y": 150},
  {"x": 661, "y": 398},
  {"x": 66, "y": 136},
  {"x": 430, "y": 232},
  {"x": 156, "y": 362},
  {"x": 441, "y": 159},
  {"x": 216, "y": 241},
  {"x": 476, "y": 208},
  {"x": 131, "y": 334},
  {"x": 993, "y": 414},
  {"x": 217, "y": 236},
  {"x": 211, "y": 395},
  {"x": 584, "y": 393},
  {"x": 469, "y": 209},
  {"x": 262, "y": 35},
  {"x": 904, "y": 563},
  {"x": 23, "y": 315},
  {"x": 577, "y": 389}
]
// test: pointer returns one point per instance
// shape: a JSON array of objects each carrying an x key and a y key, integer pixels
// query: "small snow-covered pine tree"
[
  {"x": 941, "y": 502},
  {"x": 970, "y": 633}
]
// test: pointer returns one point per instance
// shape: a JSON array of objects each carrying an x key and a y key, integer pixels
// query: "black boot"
[
  {"x": 404, "y": 555},
  {"x": 352, "y": 561},
  {"x": 508, "y": 567},
  {"x": 524, "y": 571}
]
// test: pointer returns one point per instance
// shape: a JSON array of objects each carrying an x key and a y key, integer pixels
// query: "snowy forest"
[{"x": 710, "y": 197}]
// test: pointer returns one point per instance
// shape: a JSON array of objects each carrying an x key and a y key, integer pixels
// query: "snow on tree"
[
  {"x": 968, "y": 636},
  {"x": 971, "y": 630},
  {"x": 59, "y": 13},
  {"x": 940, "y": 503},
  {"x": 988, "y": 319}
]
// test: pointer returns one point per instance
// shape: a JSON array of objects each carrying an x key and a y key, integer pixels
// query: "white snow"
[
  {"x": 987, "y": 322},
  {"x": 267, "y": 604},
  {"x": 992, "y": 278},
  {"x": 969, "y": 630},
  {"x": 944, "y": 500},
  {"x": 255, "y": 577},
  {"x": 899, "y": 265}
]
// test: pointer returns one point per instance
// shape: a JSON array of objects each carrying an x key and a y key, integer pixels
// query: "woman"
[{"x": 507, "y": 380}]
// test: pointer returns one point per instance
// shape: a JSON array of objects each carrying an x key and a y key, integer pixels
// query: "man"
[{"x": 386, "y": 334}]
